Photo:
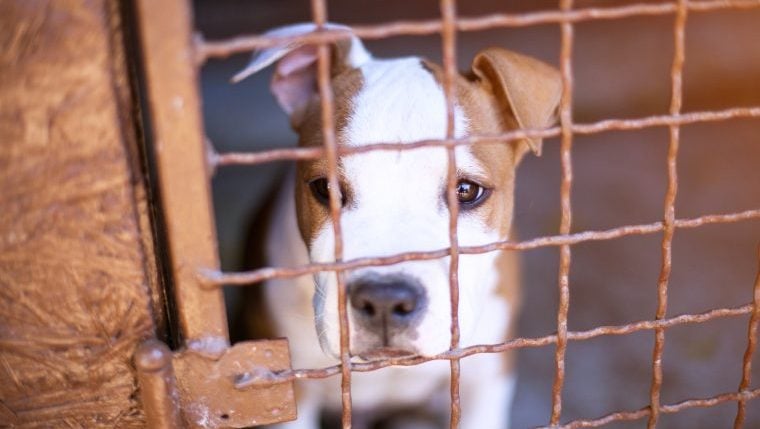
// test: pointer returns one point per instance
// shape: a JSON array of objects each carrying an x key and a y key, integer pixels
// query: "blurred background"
[{"x": 622, "y": 70}]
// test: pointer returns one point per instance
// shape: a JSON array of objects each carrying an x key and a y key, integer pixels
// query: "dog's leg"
[{"x": 487, "y": 392}]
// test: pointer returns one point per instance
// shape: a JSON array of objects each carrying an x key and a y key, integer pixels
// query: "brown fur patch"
[
  {"x": 312, "y": 215},
  {"x": 487, "y": 115}
]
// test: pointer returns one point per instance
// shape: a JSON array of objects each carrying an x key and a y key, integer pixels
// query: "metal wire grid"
[{"x": 447, "y": 26}]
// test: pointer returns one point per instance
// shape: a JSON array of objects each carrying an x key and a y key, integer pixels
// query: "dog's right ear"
[
  {"x": 294, "y": 80},
  {"x": 528, "y": 89}
]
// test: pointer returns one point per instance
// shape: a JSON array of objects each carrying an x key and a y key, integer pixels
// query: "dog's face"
[{"x": 395, "y": 201}]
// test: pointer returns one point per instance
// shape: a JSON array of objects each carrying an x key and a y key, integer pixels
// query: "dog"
[{"x": 395, "y": 202}]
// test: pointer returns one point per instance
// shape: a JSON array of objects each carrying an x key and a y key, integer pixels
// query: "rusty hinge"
[{"x": 195, "y": 389}]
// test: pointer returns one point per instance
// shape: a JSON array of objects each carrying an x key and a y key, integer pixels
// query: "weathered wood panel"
[{"x": 76, "y": 259}]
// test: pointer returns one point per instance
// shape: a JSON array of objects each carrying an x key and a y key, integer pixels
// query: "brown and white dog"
[{"x": 394, "y": 202}]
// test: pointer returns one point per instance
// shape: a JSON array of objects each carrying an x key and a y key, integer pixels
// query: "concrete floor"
[{"x": 622, "y": 70}]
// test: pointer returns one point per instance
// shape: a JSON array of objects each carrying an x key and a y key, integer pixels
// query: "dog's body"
[{"x": 395, "y": 202}]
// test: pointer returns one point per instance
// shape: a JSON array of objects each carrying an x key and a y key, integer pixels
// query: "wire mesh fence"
[{"x": 448, "y": 26}]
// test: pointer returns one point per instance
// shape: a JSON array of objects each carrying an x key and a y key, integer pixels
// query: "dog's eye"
[
  {"x": 470, "y": 194},
  {"x": 320, "y": 188}
]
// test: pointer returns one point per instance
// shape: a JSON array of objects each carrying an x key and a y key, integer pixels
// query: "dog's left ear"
[{"x": 527, "y": 89}]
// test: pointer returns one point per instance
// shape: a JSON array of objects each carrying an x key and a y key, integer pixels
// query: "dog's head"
[{"x": 395, "y": 201}]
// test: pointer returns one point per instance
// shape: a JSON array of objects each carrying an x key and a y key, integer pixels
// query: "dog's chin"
[
  {"x": 374, "y": 354},
  {"x": 381, "y": 353}
]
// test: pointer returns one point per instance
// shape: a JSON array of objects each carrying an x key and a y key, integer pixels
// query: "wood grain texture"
[{"x": 76, "y": 271}]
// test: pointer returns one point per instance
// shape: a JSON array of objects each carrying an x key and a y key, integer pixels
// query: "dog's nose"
[{"x": 383, "y": 302}]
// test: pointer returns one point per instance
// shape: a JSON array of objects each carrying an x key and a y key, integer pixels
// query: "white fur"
[
  {"x": 398, "y": 202},
  {"x": 486, "y": 391},
  {"x": 398, "y": 205}
]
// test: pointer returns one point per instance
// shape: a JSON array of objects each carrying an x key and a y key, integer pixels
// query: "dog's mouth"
[{"x": 385, "y": 353}]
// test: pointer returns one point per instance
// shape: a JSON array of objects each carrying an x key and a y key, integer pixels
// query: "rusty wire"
[
  {"x": 307, "y": 153},
  {"x": 565, "y": 256},
  {"x": 270, "y": 378},
  {"x": 669, "y": 216},
  {"x": 241, "y": 44},
  {"x": 448, "y": 36},
  {"x": 752, "y": 333},
  {"x": 447, "y": 27},
  {"x": 213, "y": 278},
  {"x": 319, "y": 13},
  {"x": 667, "y": 409}
]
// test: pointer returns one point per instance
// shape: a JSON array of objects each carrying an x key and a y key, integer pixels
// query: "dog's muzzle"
[{"x": 386, "y": 309}]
